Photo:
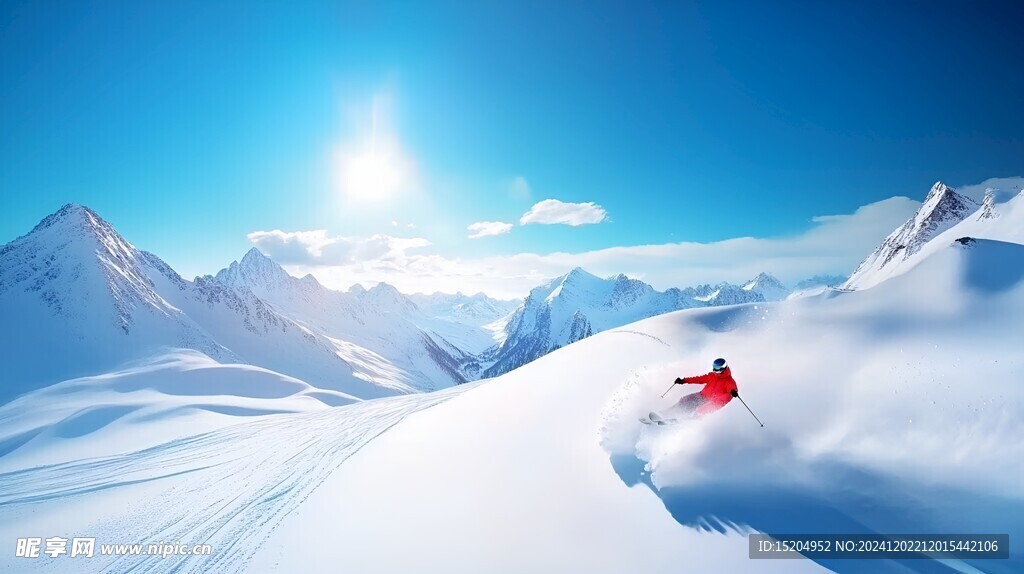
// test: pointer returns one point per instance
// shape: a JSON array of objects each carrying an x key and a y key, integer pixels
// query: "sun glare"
[
  {"x": 371, "y": 176},
  {"x": 372, "y": 166}
]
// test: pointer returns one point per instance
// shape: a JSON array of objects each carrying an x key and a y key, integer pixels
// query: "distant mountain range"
[
  {"x": 383, "y": 335},
  {"x": 85, "y": 300},
  {"x": 578, "y": 304},
  {"x": 101, "y": 340}
]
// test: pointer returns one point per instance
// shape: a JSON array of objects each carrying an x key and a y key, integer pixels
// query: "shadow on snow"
[{"x": 848, "y": 501}]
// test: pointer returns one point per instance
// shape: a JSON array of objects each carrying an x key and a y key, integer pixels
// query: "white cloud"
[
  {"x": 487, "y": 228},
  {"x": 519, "y": 188},
  {"x": 977, "y": 192},
  {"x": 394, "y": 223},
  {"x": 317, "y": 248},
  {"x": 290, "y": 246},
  {"x": 833, "y": 244},
  {"x": 552, "y": 211}
]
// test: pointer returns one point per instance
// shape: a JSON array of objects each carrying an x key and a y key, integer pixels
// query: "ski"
[{"x": 654, "y": 418}]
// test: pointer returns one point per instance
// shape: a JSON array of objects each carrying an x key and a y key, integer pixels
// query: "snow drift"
[{"x": 175, "y": 394}]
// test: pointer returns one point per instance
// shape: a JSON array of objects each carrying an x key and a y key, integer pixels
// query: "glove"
[
  {"x": 734, "y": 393},
  {"x": 680, "y": 381}
]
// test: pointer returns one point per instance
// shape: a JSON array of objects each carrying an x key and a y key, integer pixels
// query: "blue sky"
[{"x": 194, "y": 126}]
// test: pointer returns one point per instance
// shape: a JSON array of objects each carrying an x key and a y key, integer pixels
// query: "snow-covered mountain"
[
  {"x": 942, "y": 209},
  {"x": 579, "y": 304},
  {"x": 552, "y": 458},
  {"x": 944, "y": 216},
  {"x": 382, "y": 333},
  {"x": 76, "y": 297},
  {"x": 82, "y": 300},
  {"x": 770, "y": 288},
  {"x": 260, "y": 274},
  {"x": 433, "y": 341}
]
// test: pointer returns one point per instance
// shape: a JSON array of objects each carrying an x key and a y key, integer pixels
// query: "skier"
[{"x": 719, "y": 389}]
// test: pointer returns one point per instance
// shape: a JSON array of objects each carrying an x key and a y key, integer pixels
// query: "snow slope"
[
  {"x": 229, "y": 488},
  {"x": 894, "y": 409},
  {"x": 878, "y": 427}
]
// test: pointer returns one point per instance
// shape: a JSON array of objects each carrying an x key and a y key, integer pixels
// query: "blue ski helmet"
[{"x": 718, "y": 366}]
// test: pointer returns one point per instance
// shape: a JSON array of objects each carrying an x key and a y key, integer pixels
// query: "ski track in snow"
[
  {"x": 642, "y": 334},
  {"x": 243, "y": 480}
]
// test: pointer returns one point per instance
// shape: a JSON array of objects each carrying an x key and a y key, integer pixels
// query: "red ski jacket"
[{"x": 718, "y": 388}]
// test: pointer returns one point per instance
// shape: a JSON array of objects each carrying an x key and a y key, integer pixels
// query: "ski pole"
[
  {"x": 667, "y": 390},
  {"x": 750, "y": 411}
]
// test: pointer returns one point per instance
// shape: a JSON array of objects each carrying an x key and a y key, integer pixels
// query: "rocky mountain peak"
[
  {"x": 70, "y": 214},
  {"x": 255, "y": 271},
  {"x": 942, "y": 209},
  {"x": 79, "y": 264},
  {"x": 943, "y": 204},
  {"x": 938, "y": 189},
  {"x": 254, "y": 257},
  {"x": 74, "y": 222}
]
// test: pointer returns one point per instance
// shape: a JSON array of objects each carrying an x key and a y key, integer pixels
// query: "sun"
[
  {"x": 371, "y": 175},
  {"x": 372, "y": 166}
]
